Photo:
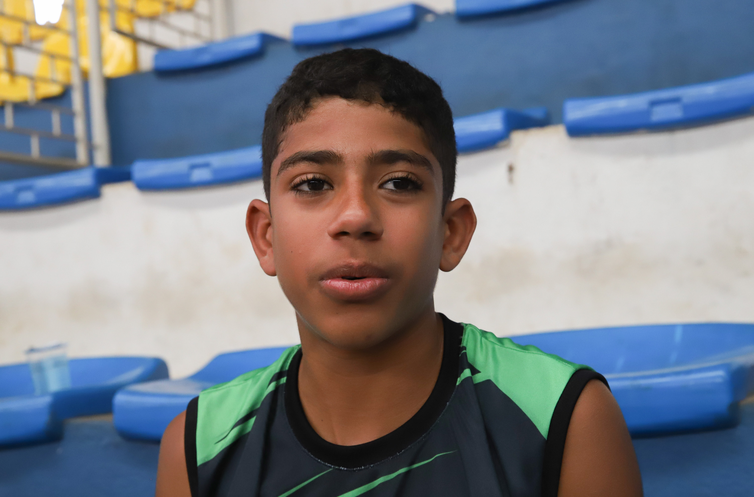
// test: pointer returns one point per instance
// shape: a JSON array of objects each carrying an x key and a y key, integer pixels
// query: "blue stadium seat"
[
  {"x": 358, "y": 27},
  {"x": 220, "y": 52},
  {"x": 26, "y": 418},
  {"x": 666, "y": 378},
  {"x": 198, "y": 170},
  {"x": 53, "y": 189},
  {"x": 485, "y": 130},
  {"x": 672, "y": 107},
  {"x": 144, "y": 411},
  {"x": 473, "y": 8}
]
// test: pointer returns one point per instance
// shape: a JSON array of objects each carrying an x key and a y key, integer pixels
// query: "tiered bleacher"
[{"x": 193, "y": 122}]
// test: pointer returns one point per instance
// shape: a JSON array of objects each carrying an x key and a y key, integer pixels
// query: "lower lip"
[{"x": 355, "y": 290}]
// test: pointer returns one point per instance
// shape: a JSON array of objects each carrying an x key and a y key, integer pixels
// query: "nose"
[{"x": 356, "y": 215}]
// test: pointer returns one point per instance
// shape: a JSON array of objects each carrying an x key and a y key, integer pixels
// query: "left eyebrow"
[{"x": 395, "y": 156}]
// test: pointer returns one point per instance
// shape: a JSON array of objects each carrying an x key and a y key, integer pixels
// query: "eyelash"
[
  {"x": 307, "y": 179},
  {"x": 415, "y": 184}
]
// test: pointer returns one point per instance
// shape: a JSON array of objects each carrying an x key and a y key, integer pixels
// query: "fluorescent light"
[{"x": 47, "y": 11}]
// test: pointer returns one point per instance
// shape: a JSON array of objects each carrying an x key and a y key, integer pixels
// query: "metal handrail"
[
  {"x": 37, "y": 132},
  {"x": 41, "y": 160},
  {"x": 35, "y": 50},
  {"x": 45, "y": 106},
  {"x": 32, "y": 77},
  {"x": 183, "y": 33},
  {"x": 28, "y": 22}
]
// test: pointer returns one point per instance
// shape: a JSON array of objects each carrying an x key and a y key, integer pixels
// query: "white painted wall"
[
  {"x": 572, "y": 233},
  {"x": 278, "y": 16}
]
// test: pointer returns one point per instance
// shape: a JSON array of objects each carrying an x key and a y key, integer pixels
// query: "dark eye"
[
  {"x": 401, "y": 184},
  {"x": 313, "y": 185}
]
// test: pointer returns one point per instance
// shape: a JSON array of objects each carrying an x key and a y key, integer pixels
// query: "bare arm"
[
  {"x": 598, "y": 458},
  {"x": 172, "y": 476}
]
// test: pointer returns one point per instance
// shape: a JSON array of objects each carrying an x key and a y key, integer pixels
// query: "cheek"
[
  {"x": 420, "y": 239},
  {"x": 292, "y": 237}
]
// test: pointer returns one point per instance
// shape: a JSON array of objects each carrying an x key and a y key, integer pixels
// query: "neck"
[{"x": 351, "y": 397}]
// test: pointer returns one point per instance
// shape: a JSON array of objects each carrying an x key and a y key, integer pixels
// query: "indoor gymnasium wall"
[{"x": 645, "y": 228}]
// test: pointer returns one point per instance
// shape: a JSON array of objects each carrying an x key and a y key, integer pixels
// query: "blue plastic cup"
[{"x": 49, "y": 368}]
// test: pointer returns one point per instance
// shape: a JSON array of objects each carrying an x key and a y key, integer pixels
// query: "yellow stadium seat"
[
  {"x": 12, "y": 88},
  {"x": 11, "y": 26},
  {"x": 118, "y": 54}
]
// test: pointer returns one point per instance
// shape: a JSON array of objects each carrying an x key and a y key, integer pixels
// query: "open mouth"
[{"x": 355, "y": 282}]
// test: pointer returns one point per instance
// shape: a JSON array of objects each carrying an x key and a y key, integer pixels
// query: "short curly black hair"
[{"x": 370, "y": 76}]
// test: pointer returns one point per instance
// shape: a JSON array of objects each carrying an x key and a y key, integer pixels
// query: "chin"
[{"x": 358, "y": 330}]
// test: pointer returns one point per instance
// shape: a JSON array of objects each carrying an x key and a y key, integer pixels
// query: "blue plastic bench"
[
  {"x": 473, "y": 8},
  {"x": 26, "y": 418},
  {"x": 59, "y": 188},
  {"x": 198, "y": 170},
  {"x": 666, "y": 378},
  {"x": 358, "y": 27},
  {"x": 144, "y": 411},
  {"x": 672, "y": 107},
  {"x": 485, "y": 130},
  {"x": 211, "y": 54}
]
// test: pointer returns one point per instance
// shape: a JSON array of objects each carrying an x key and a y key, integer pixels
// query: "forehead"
[{"x": 351, "y": 128}]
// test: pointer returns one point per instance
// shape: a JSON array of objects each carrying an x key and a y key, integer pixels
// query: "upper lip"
[{"x": 354, "y": 270}]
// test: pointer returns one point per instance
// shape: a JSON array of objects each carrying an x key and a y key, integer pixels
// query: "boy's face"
[{"x": 356, "y": 230}]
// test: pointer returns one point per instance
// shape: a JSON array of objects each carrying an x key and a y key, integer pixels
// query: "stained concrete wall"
[{"x": 572, "y": 233}]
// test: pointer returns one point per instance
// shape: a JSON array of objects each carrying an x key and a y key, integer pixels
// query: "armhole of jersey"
[
  {"x": 189, "y": 445},
  {"x": 556, "y": 436}
]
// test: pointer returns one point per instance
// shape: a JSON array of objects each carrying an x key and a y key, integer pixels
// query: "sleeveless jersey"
[{"x": 494, "y": 425}]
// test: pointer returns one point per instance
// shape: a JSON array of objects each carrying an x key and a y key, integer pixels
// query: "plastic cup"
[{"x": 49, "y": 368}]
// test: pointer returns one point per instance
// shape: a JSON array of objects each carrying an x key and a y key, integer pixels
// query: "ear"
[
  {"x": 460, "y": 224},
  {"x": 259, "y": 228}
]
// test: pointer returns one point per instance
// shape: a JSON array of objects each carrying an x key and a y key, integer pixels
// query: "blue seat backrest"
[
  {"x": 15, "y": 379},
  {"x": 59, "y": 188},
  {"x": 672, "y": 107},
  {"x": 628, "y": 349},
  {"x": 357, "y": 27},
  {"x": 211, "y": 54},
  {"x": 106, "y": 370},
  {"x": 473, "y": 8},
  {"x": 484, "y": 130},
  {"x": 199, "y": 170},
  {"x": 227, "y": 366}
]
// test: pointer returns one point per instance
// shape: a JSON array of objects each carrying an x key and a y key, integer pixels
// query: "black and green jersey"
[{"x": 494, "y": 425}]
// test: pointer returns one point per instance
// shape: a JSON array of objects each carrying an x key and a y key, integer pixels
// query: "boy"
[{"x": 384, "y": 396}]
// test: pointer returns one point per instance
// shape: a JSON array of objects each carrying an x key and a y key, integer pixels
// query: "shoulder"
[
  {"x": 489, "y": 350},
  {"x": 531, "y": 378},
  {"x": 588, "y": 449},
  {"x": 598, "y": 458},
  {"x": 172, "y": 474}
]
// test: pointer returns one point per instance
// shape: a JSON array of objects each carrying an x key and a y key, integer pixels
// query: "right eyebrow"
[{"x": 312, "y": 157}]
